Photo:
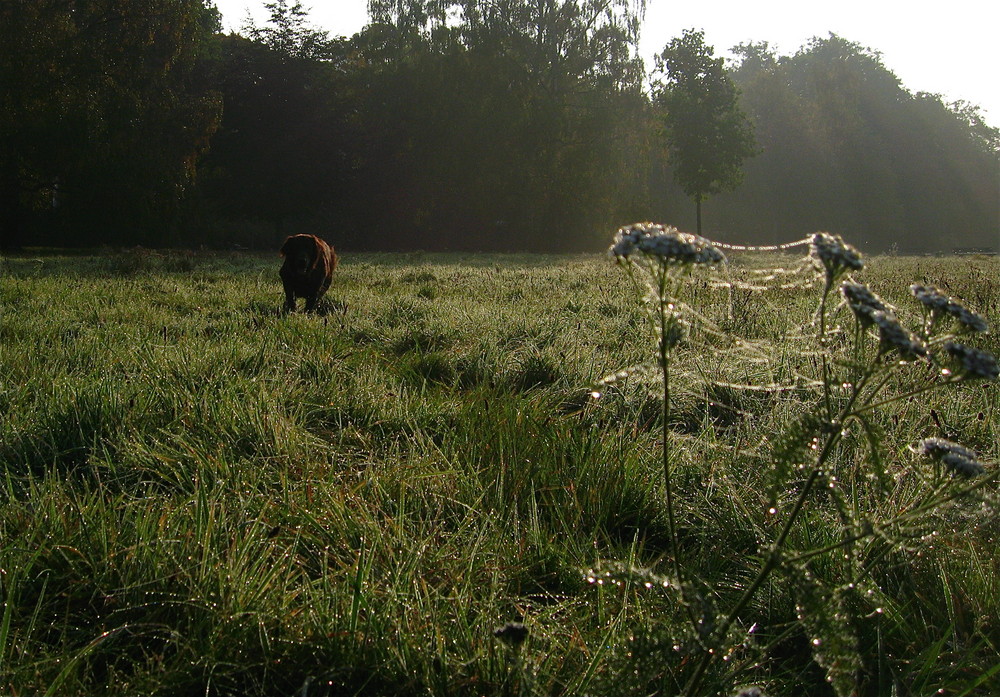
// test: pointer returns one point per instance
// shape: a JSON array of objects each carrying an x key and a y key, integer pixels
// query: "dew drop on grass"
[{"x": 772, "y": 510}]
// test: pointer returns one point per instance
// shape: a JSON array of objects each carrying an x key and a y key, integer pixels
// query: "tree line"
[{"x": 527, "y": 125}]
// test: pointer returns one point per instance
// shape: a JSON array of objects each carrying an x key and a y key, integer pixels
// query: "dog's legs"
[{"x": 290, "y": 301}]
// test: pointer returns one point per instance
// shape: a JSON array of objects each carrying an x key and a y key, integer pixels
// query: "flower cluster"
[
  {"x": 665, "y": 243},
  {"x": 894, "y": 336},
  {"x": 957, "y": 458},
  {"x": 975, "y": 363},
  {"x": 940, "y": 304},
  {"x": 834, "y": 255},
  {"x": 863, "y": 302},
  {"x": 870, "y": 309}
]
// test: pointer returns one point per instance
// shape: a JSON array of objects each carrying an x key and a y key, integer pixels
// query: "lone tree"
[{"x": 707, "y": 134}]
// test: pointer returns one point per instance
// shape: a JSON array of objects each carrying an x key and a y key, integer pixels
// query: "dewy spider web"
[{"x": 727, "y": 350}]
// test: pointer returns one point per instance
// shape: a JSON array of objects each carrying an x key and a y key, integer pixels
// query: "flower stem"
[
  {"x": 823, "y": 343},
  {"x": 667, "y": 479},
  {"x": 769, "y": 565},
  {"x": 774, "y": 556}
]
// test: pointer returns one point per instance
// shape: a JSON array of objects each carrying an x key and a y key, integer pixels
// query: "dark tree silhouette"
[
  {"x": 102, "y": 114},
  {"x": 473, "y": 124},
  {"x": 845, "y": 147},
  {"x": 517, "y": 124},
  {"x": 280, "y": 155},
  {"x": 707, "y": 134}
]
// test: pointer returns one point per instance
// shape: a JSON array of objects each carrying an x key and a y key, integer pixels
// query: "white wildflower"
[
  {"x": 834, "y": 255},
  {"x": 975, "y": 363},
  {"x": 941, "y": 304},
  {"x": 957, "y": 458},
  {"x": 625, "y": 242},
  {"x": 665, "y": 243},
  {"x": 893, "y": 335},
  {"x": 962, "y": 465},
  {"x": 863, "y": 302},
  {"x": 930, "y": 296}
]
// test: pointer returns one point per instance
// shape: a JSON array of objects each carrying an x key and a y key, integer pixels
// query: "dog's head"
[{"x": 301, "y": 252}]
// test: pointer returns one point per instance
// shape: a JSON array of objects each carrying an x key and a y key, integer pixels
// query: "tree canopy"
[
  {"x": 512, "y": 122},
  {"x": 707, "y": 134},
  {"x": 473, "y": 124},
  {"x": 845, "y": 146},
  {"x": 103, "y": 114}
]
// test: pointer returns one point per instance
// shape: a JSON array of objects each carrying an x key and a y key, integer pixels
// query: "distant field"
[{"x": 202, "y": 495}]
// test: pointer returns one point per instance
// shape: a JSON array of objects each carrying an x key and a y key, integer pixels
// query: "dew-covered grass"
[{"x": 201, "y": 495}]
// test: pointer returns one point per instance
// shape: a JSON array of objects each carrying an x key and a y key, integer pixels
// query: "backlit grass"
[{"x": 202, "y": 495}]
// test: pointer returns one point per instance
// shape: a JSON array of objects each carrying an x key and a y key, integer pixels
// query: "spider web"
[{"x": 721, "y": 350}]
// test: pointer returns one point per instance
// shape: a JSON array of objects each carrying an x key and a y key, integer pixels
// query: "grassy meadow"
[{"x": 204, "y": 496}]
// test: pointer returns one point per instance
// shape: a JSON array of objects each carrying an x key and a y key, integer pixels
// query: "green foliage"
[
  {"x": 845, "y": 147},
  {"x": 102, "y": 114},
  {"x": 512, "y": 125},
  {"x": 199, "y": 494},
  {"x": 707, "y": 134},
  {"x": 289, "y": 35},
  {"x": 282, "y": 144},
  {"x": 500, "y": 125}
]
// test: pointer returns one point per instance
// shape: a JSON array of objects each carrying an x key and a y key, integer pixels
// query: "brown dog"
[{"x": 307, "y": 271}]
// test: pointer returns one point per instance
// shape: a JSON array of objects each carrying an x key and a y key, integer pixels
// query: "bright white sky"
[{"x": 950, "y": 49}]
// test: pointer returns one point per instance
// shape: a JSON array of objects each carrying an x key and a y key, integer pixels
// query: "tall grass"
[{"x": 201, "y": 495}]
